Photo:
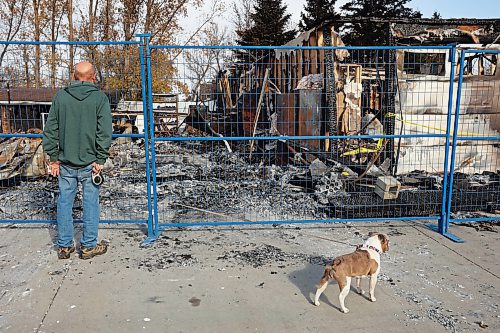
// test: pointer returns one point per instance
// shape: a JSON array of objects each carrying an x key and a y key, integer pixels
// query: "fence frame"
[
  {"x": 154, "y": 226},
  {"x": 443, "y": 222},
  {"x": 147, "y": 221},
  {"x": 455, "y": 140},
  {"x": 441, "y": 219}
]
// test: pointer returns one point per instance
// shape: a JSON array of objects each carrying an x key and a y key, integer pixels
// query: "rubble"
[
  {"x": 256, "y": 257},
  {"x": 279, "y": 179},
  {"x": 387, "y": 187},
  {"x": 329, "y": 188},
  {"x": 482, "y": 324},
  {"x": 204, "y": 181},
  {"x": 167, "y": 260},
  {"x": 268, "y": 255},
  {"x": 490, "y": 226},
  {"x": 447, "y": 321},
  {"x": 22, "y": 157}
]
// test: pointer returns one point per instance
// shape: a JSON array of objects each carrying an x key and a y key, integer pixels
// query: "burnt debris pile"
[{"x": 204, "y": 181}]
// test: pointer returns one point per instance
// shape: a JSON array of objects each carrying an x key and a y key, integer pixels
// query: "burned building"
[
  {"x": 313, "y": 91},
  {"x": 350, "y": 93}
]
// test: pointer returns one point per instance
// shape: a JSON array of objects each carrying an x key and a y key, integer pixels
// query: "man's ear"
[{"x": 73, "y": 77}]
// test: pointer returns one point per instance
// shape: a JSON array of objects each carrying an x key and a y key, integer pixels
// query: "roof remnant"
[
  {"x": 42, "y": 95},
  {"x": 16, "y": 95},
  {"x": 444, "y": 34},
  {"x": 432, "y": 31}
]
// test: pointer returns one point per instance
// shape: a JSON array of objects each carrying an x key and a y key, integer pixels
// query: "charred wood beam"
[
  {"x": 214, "y": 132},
  {"x": 325, "y": 156},
  {"x": 295, "y": 153},
  {"x": 331, "y": 93},
  {"x": 390, "y": 81},
  {"x": 259, "y": 107}
]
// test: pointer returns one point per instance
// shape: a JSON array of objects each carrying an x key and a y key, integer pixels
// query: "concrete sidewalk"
[{"x": 257, "y": 279}]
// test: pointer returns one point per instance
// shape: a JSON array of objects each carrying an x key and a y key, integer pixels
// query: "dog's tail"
[
  {"x": 330, "y": 270},
  {"x": 335, "y": 263}
]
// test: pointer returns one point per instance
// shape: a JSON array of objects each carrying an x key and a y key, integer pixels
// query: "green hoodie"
[{"x": 78, "y": 129}]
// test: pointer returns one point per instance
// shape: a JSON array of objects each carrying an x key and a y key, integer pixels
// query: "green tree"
[
  {"x": 372, "y": 32},
  {"x": 316, "y": 11},
  {"x": 269, "y": 25}
]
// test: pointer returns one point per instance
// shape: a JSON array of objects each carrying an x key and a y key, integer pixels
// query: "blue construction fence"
[{"x": 230, "y": 135}]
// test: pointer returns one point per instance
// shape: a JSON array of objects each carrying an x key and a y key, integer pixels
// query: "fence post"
[
  {"x": 454, "y": 150},
  {"x": 442, "y": 219},
  {"x": 152, "y": 138},
  {"x": 146, "y": 98},
  {"x": 444, "y": 216}
]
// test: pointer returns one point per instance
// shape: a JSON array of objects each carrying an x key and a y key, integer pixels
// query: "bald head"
[{"x": 84, "y": 71}]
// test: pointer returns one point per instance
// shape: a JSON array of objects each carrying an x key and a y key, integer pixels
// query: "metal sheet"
[
  {"x": 249, "y": 109},
  {"x": 309, "y": 116},
  {"x": 285, "y": 109}
]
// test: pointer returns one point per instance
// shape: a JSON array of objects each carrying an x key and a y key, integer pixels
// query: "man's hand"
[
  {"x": 96, "y": 168},
  {"x": 54, "y": 168}
]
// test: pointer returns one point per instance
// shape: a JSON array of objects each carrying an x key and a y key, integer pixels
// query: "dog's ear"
[{"x": 384, "y": 242}]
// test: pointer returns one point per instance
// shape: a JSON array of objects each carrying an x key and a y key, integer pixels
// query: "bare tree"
[
  {"x": 48, "y": 20},
  {"x": 157, "y": 17},
  {"x": 206, "y": 63},
  {"x": 26, "y": 67},
  {"x": 11, "y": 20},
  {"x": 131, "y": 17},
  {"x": 71, "y": 32},
  {"x": 37, "y": 22},
  {"x": 55, "y": 11},
  {"x": 92, "y": 9},
  {"x": 215, "y": 10},
  {"x": 106, "y": 26},
  {"x": 107, "y": 21},
  {"x": 242, "y": 11}
]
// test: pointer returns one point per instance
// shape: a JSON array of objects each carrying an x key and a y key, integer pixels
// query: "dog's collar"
[{"x": 370, "y": 247}]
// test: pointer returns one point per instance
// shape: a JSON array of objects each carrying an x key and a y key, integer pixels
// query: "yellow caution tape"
[
  {"x": 380, "y": 141},
  {"x": 364, "y": 150},
  {"x": 390, "y": 114}
]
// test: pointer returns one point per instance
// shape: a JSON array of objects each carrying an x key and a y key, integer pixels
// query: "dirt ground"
[{"x": 248, "y": 279}]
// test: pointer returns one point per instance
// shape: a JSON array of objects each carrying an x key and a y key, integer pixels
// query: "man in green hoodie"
[{"x": 77, "y": 138}]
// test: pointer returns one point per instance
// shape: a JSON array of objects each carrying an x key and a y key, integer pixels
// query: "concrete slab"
[{"x": 258, "y": 279}]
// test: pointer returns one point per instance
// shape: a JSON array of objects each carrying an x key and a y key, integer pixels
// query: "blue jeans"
[{"x": 68, "y": 185}]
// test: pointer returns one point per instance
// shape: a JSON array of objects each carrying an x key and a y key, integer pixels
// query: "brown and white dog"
[{"x": 365, "y": 261}]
